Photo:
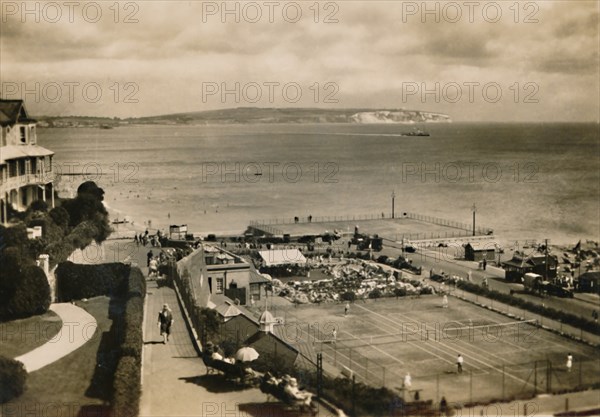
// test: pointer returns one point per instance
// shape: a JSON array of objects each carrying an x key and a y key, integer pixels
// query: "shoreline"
[{"x": 135, "y": 225}]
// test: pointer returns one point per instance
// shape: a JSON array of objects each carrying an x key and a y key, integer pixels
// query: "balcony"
[{"x": 19, "y": 181}]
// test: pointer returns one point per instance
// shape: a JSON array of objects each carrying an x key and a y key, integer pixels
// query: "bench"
[
  {"x": 230, "y": 370},
  {"x": 278, "y": 392}
]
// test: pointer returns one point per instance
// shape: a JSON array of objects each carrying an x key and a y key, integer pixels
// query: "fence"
[
  {"x": 265, "y": 224},
  {"x": 506, "y": 382},
  {"x": 497, "y": 380},
  {"x": 516, "y": 312}
]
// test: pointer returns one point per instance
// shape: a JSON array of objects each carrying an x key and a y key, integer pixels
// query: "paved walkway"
[
  {"x": 174, "y": 381},
  {"x": 78, "y": 326}
]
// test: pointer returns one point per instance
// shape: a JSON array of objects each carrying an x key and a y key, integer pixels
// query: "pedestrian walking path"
[
  {"x": 78, "y": 326},
  {"x": 174, "y": 381}
]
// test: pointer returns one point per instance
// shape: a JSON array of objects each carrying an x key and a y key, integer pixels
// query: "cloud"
[{"x": 369, "y": 53}]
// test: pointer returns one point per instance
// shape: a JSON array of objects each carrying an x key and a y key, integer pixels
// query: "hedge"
[
  {"x": 126, "y": 384},
  {"x": 13, "y": 377},
  {"x": 24, "y": 293},
  {"x": 128, "y": 285},
  {"x": 75, "y": 281},
  {"x": 127, "y": 388},
  {"x": 31, "y": 294},
  {"x": 551, "y": 313},
  {"x": 132, "y": 335},
  {"x": 368, "y": 400}
]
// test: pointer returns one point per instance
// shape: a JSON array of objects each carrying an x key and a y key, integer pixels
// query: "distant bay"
[{"x": 528, "y": 181}]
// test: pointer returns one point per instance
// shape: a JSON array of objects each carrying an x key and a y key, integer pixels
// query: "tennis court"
[{"x": 379, "y": 341}]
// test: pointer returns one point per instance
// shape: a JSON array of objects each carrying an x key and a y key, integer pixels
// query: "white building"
[{"x": 25, "y": 168}]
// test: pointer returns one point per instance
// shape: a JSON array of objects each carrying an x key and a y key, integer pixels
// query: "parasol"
[{"x": 246, "y": 354}]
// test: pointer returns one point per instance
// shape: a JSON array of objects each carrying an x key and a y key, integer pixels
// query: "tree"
[
  {"x": 88, "y": 207},
  {"x": 60, "y": 216}
]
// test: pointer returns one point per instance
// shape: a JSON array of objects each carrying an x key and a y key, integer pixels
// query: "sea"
[{"x": 526, "y": 181}]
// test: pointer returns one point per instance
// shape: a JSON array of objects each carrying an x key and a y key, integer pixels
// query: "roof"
[
  {"x": 13, "y": 111},
  {"x": 227, "y": 309},
  {"x": 256, "y": 278},
  {"x": 282, "y": 257},
  {"x": 22, "y": 151},
  {"x": 261, "y": 335},
  {"x": 217, "y": 301},
  {"x": 481, "y": 246},
  {"x": 266, "y": 317},
  {"x": 592, "y": 275}
]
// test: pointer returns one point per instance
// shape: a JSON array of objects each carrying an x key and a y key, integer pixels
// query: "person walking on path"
[
  {"x": 407, "y": 381},
  {"x": 484, "y": 263},
  {"x": 444, "y": 406},
  {"x": 569, "y": 362},
  {"x": 153, "y": 268},
  {"x": 445, "y": 301},
  {"x": 165, "y": 321},
  {"x": 334, "y": 335},
  {"x": 459, "y": 363},
  {"x": 346, "y": 309},
  {"x": 149, "y": 255}
]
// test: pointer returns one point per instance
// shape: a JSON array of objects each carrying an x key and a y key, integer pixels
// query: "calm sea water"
[{"x": 527, "y": 180}]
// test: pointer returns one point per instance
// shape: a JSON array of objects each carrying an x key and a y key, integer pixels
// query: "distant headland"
[{"x": 254, "y": 115}]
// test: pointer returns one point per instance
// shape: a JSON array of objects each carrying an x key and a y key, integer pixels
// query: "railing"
[
  {"x": 27, "y": 179},
  {"x": 266, "y": 224}
]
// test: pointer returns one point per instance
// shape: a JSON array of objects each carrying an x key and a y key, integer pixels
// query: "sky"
[{"x": 500, "y": 61}]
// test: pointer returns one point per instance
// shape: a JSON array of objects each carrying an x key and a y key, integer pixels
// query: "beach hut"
[{"x": 479, "y": 251}]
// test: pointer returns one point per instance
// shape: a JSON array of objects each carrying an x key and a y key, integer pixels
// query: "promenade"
[{"x": 174, "y": 380}]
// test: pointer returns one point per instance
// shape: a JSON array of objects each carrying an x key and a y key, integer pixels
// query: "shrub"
[
  {"x": 376, "y": 293},
  {"x": 38, "y": 205},
  {"x": 75, "y": 282},
  {"x": 28, "y": 294},
  {"x": 136, "y": 283},
  {"x": 368, "y": 400},
  {"x": 13, "y": 377},
  {"x": 127, "y": 389},
  {"x": 60, "y": 216},
  {"x": 399, "y": 292},
  {"x": 562, "y": 316},
  {"x": 348, "y": 296},
  {"x": 133, "y": 322}
]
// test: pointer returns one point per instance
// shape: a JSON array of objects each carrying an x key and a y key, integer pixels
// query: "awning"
[{"x": 282, "y": 257}]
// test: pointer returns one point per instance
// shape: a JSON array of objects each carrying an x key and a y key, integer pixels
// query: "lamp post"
[
  {"x": 474, "y": 209},
  {"x": 393, "y": 198}
]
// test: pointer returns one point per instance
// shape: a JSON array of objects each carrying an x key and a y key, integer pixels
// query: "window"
[
  {"x": 255, "y": 291},
  {"x": 12, "y": 169},
  {"x": 23, "y": 131},
  {"x": 219, "y": 286},
  {"x": 32, "y": 135}
]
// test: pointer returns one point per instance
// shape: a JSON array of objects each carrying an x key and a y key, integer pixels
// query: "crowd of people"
[
  {"x": 363, "y": 278},
  {"x": 146, "y": 238}
]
